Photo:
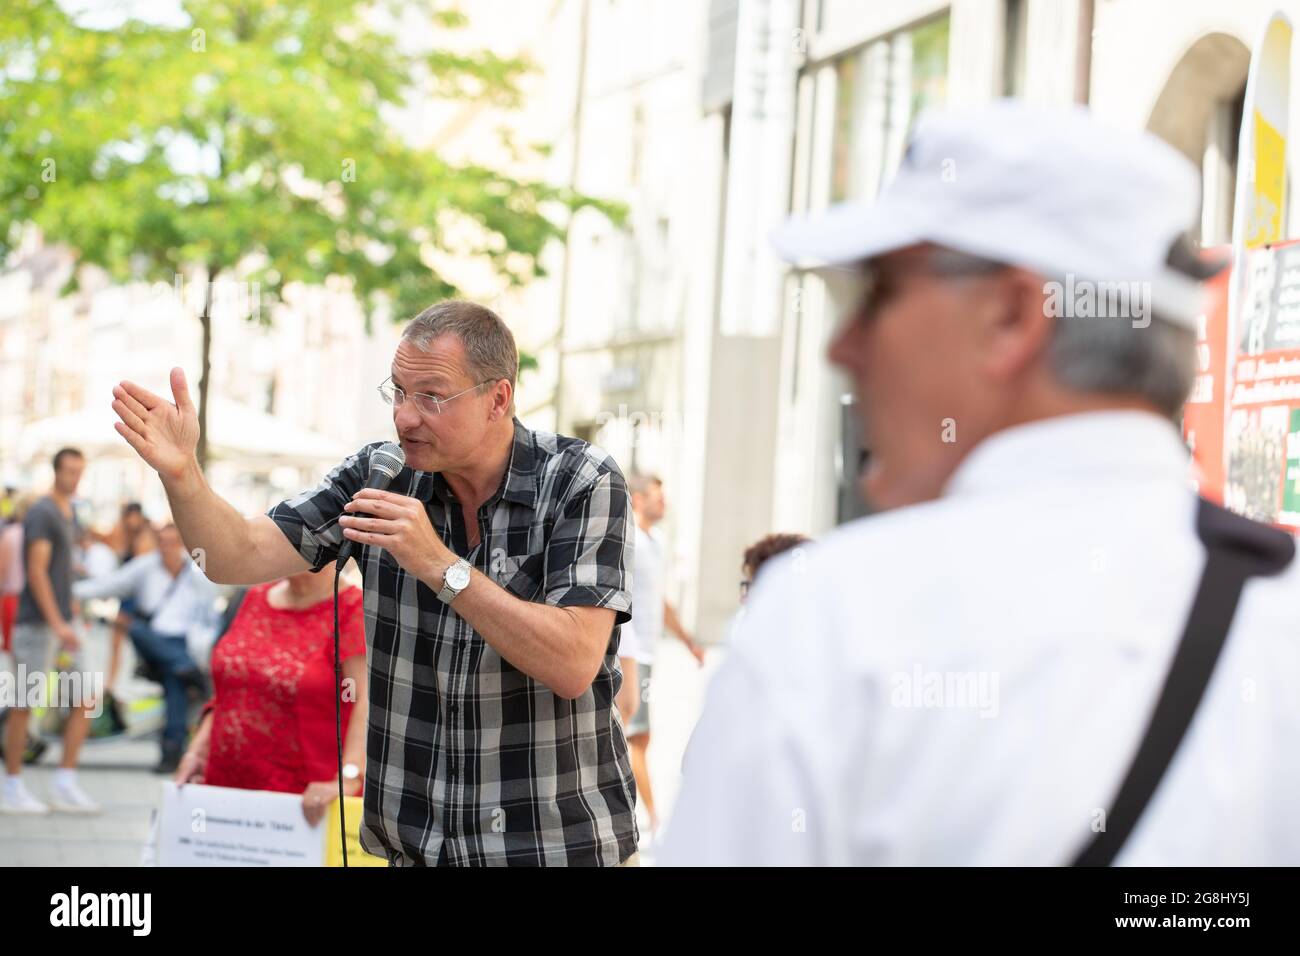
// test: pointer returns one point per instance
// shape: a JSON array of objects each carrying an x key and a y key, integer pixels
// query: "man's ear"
[
  {"x": 501, "y": 398},
  {"x": 1017, "y": 328}
]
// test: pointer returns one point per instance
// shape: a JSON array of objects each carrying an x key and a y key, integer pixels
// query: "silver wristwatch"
[{"x": 454, "y": 580}]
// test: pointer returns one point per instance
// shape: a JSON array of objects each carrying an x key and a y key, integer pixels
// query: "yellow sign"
[
  {"x": 1265, "y": 224},
  {"x": 356, "y": 855}
]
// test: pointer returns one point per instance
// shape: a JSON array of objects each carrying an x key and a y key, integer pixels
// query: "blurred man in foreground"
[{"x": 976, "y": 669}]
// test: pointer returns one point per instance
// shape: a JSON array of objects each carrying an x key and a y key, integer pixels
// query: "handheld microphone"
[{"x": 385, "y": 462}]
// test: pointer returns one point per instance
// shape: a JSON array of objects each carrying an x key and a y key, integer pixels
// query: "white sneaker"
[
  {"x": 17, "y": 800},
  {"x": 70, "y": 798}
]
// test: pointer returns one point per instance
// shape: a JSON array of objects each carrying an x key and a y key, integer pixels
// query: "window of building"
[{"x": 880, "y": 89}]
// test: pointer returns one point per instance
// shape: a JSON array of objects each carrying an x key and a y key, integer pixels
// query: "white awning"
[{"x": 236, "y": 433}]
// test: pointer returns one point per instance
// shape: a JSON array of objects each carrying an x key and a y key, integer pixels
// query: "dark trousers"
[{"x": 167, "y": 652}]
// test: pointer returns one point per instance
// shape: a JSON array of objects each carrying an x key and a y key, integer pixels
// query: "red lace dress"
[{"x": 273, "y": 701}]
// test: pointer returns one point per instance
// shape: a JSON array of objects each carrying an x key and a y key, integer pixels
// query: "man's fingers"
[
  {"x": 123, "y": 396},
  {"x": 134, "y": 439},
  {"x": 375, "y": 506},
  {"x": 142, "y": 395},
  {"x": 373, "y": 525},
  {"x": 375, "y": 494},
  {"x": 365, "y": 537},
  {"x": 132, "y": 419},
  {"x": 181, "y": 391}
]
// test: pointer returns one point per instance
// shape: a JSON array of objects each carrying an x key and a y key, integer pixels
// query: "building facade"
[{"x": 683, "y": 346}]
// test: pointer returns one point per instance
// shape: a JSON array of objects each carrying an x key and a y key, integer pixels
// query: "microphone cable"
[
  {"x": 385, "y": 463},
  {"x": 338, "y": 722}
]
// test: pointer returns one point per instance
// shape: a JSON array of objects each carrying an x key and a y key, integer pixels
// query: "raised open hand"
[{"x": 162, "y": 433}]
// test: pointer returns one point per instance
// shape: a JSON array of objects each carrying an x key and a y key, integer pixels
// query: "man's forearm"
[
  {"x": 629, "y": 695},
  {"x": 674, "y": 624},
  {"x": 207, "y": 522},
  {"x": 117, "y": 583},
  {"x": 43, "y": 594},
  {"x": 542, "y": 641}
]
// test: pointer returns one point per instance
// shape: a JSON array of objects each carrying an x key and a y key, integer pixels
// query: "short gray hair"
[
  {"x": 1109, "y": 356},
  {"x": 1157, "y": 362},
  {"x": 489, "y": 344}
]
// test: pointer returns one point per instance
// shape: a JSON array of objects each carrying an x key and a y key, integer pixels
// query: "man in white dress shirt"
[
  {"x": 965, "y": 678},
  {"x": 171, "y": 597}
]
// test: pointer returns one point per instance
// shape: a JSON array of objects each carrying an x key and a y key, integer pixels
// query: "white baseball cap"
[{"x": 1050, "y": 189}]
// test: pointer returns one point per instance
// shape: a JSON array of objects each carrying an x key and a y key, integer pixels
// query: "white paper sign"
[{"x": 222, "y": 826}]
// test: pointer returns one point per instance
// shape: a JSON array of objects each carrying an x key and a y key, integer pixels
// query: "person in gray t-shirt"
[
  {"x": 43, "y": 624},
  {"x": 46, "y": 521}
]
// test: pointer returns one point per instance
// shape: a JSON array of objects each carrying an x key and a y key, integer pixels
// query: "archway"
[{"x": 1199, "y": 113}]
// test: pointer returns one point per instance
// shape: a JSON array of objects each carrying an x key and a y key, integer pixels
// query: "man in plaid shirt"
[{"x": 497, "y": 572}]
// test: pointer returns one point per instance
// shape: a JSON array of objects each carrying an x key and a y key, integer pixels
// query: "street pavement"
[{"x": 117, "y": 772}]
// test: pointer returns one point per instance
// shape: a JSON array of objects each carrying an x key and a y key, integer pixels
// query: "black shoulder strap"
[{"x": 1237, "y": 549}]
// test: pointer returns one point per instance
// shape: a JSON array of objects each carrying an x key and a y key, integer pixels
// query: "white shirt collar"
[{"x": 1127, "y": 444}]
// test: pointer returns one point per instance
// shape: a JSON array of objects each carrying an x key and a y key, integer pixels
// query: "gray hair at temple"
[
  {"x": 1157, "y": 362},
  {"x": 489, "y": 344}
]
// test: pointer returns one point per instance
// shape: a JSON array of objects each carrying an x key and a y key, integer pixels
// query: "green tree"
[{"x": 256, "y": 140}]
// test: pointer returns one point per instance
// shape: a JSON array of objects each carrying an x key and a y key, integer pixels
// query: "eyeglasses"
[
  {"x": 883, "y": 284},
  {"x": 429, "y": 404}
]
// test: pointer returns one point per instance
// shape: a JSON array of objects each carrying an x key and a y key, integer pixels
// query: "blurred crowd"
[{"x": 235, "y": 671}]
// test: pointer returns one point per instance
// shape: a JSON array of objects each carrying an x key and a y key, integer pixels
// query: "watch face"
[
  {"x": 457, "y": 576},
  {"x": 351, "y": 771}
]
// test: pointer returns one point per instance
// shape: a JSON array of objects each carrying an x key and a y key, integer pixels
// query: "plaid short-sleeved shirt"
[{"x": 468, "y": 760}]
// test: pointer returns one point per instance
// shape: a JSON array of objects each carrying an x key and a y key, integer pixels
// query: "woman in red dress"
[{"x": 270, "y": 723}]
